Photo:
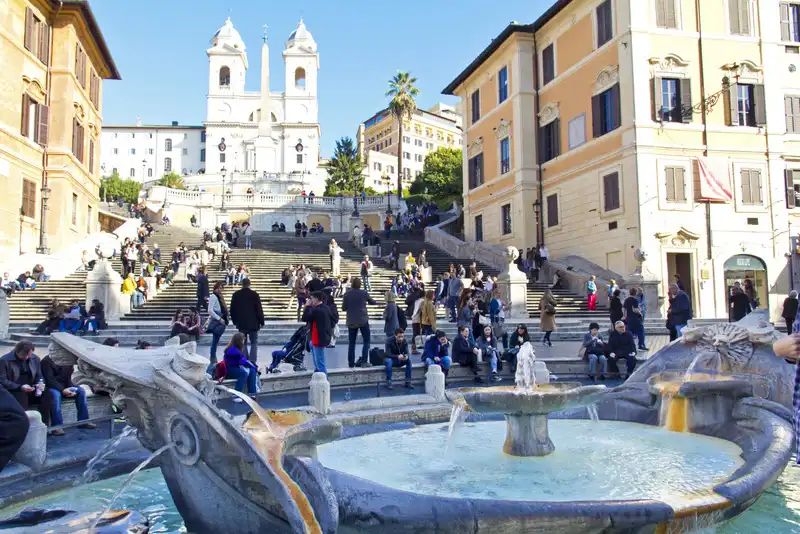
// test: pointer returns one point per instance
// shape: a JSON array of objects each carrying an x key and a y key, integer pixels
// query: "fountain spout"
[{"x": 525, "y": 377}]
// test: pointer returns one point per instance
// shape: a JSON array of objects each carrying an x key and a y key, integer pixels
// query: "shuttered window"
[
  {"x": 475, "y": 106},
  {"x": 475, "y": 171},
  {"x": 94, "y": 89},
  {"x": 605, "y": 23},
  {"x": 78, "y": 132},
  {"x": 751, "y": 187},
  {"x": 611, "y": 200},
  {"x": 747, "y": 105},
  {"x": 91, "y": 156},
  {"x": 80, "y": 65},
  {"x": 505, "y": 213},
  {"x": 665, "y": 14},
  {"x": 552, "y": 210},
  {"x": 790, "y": 21},
  {"x": 739, "y": 16},
  {"x": 549, "y": 141},
  {"x": 606, "y": 112},
  {"x": 28, "y": 208},
  {"x": 74, "y": 209},
  {"x": 35, "y": 119},
  {"x": 548, "y": 65},
  {"x": 675, "y": 184},
  {"x": 792, "y": 188},
  {"x": 672, "y": 99},
  {"x": 37, "y": 36},
  {"x": 792, "y": 108},
  {"x": 479, "y": 228}
]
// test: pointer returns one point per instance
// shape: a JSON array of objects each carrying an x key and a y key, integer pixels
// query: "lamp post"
[
  {"x": 355, "y": 200},
  {"x": 144, "y": 163},
  {"x": 537, "y": 208},
  {"x": 223, "y": 170},
  {"x": 386, "y": 179}
]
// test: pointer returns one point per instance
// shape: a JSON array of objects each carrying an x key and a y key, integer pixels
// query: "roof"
[
  {"x": 421, "y": 111},
  {"x": 507, "y": 32},
  {"x": 154, "y": 126},
  {"x": 82, "y": 7}
]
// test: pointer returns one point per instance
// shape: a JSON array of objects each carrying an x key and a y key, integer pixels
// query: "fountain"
[{"x": 393, "y": 469}]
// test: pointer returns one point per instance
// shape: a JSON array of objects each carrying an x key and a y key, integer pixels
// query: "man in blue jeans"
[
  {"x": 320, "y": 319},
  {"x": 680, "y": 309},
  {"x": 59, "y": 380},
  {"x": 397, "y": 355},
  {"x": 436, "y": 352},
  {"x": 354, "y": 303}
]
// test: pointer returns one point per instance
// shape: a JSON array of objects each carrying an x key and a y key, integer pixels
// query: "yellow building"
[
  {"x": 53, "y": 59},
  {"x": 667, "y": 126}
]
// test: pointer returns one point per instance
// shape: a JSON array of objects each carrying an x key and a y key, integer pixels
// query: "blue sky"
[{"x": 159, "y": 48}]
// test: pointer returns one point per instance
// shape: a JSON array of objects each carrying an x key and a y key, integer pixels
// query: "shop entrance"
[
  {"x": 680, "y": 263},
  {"x": 751, "y": 274}
]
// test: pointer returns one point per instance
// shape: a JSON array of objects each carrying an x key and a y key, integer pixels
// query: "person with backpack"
[
  {"x": 354, "y": 302},
  {"x": 320, "y": 319},
  {"x": 397, "y": 355},
  {"x": 366, "y": 272},
  {"x": 393, "y": 317}
]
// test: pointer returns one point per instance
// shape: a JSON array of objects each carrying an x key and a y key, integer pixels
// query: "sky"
[{"x": 159, "y": 48}]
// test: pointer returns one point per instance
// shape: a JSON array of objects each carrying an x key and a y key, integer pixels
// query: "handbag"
[
  {"x": 549, "y": 309},
  {"x": 484, "y": 321}
]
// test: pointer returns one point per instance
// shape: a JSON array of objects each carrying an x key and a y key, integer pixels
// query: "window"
[
  {"x": 479, "y": 228},
  {"x": 792, "y": 106},
  {"x": 224, "y": 77},
  {"x": 739, "y": 16},
  {"x": 133, "y": 152},
  {"x": 167, "y": 164},
  {"x": 549, "y": 141},
  {"x": 203, "y": 136},
  {"x": 28, "y": 208},
  {"x": 611, "y": 192},
  {"x": 150, "y": 151},
  {"x": 417, "y": 142},
  {"x": 505, "y": 214},
  {"x": 186, "y": 136},
  {"x": 168, "y": 145},
  {"x": 751, "y": 187},
  {"x": 419, "y": 158},
  {"x": 406, "y": 139},
  {"x": 748, "y": 106},
  {"x": 37, "y": 36},
  {"x": 605, "y": 23},
  {"x": 505, "y": 155},
  {"x": 116, "y": 151},
  {"x": 475, "y": 105},
  {"x": 676, "y": 184},
  {"x": 80, "y": 65},
  {"x": 299, "y": 158},
  {"x": 390, "y": 168},
  {"x": 185, "y": 151},
  {"x": 476, "y": 171},
  {"x": 376, "y": 166},
  {"x": 502, "y": 85},
  {"x": 133, "y": 136},
  {"x": 151, "y": 136},
  {"x": 552, "y": 210},
  {"x": 417, "y": 173},
  {"x": 665, "y": 14},
  {"x": 407, "y": 173},
  {"x": 88, "y": 219},
  {"x": 429, "y": 146},
  {"x": 792, "y": 188},
  {"x": 202, "y": 155},
  {"x": 577, "y": 131},
  {"x": 790, "y": 22},
  {"x": 91, "y": 155},
  {"x": 300, "y": 78},
  {"x": 132, "y": 174},
  {"x": 222, "y": 157},
  {"x": 606, "y": 112},
  {"x": 94, "y": 89},
  {"x": 150, "y": 173},
  {"x": 35, "y": 119},
  {"x": 78, "y": 132},
  {"x": 548, "y": 65},
  {"x": 673, "y": 99},
  {"x": 74, "y": 209},
  {"x": 406, "y": 155}
]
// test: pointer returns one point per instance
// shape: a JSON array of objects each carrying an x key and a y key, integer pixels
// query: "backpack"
[
  {"x": 376, "y": 356},
  {"x": 401, "y": 318}
]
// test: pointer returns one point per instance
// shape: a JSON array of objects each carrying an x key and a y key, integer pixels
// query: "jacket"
[
  {"x": 215, "y": 308},
  {"x": 518, "y": 340},
  {"x": 465, "y": 317},
  {"x": 391, "y": 321},
  {"x": 234, "y": 358},
  {"x": 593, "y": 345},
  {"x": 433, "y": 349},
  {"x": 455, "y": 287},
  {"x": 740, "y": 306},
  {"x": 591, "y": 287},
  {"x": 621, "y": 344},
  {"x": 246, "y": 311},
  {"x": 616, "y": 309},
  {"x": 11, "y": 368},
  {"x": 395, "y": 349},
  {"x": 202, "y": 287},
  {"x": 681, "y": 309},
  {"x": 354, "y": 302},
  {"x": 58, "y": 377},
  {"x": 461, "y": 349},
  {"x": 487, "y": 347},
  {"x": 427, "y": 314},
  {"x": 128, "y": 287},
  {"x": 631, "y": 317},
  {"x": 547, "y": 321},
  {"x": 320, "y": 321},
  {"x": 789, "y": 308}
]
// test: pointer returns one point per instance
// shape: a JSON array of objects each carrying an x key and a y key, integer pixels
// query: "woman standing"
[
  {"x": 336, "y": 257},
  {"x": 616, "y": 312},
  {"x": 427, "y": 315},
  {"x": 591, "y": 293},
  {"x": 218, "y": 318},
  {"x": 391, "y": 315},
  {"x": 547, "y": 316}
]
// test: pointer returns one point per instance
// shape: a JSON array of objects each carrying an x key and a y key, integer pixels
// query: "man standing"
[
  {"x": 680, "y": 310},
  {"x": 366, "y": 272},
  {"x": 248, "y": 316},
  {"x": 453, "y": 294},
  {"x": 202, "y": 289},
  {"x": 13, "y": 427},
  {"x": 21, "y": 375},
  {"x": 355, "y": 302},
  {"x": 320, "y": 319},
  {"x": 397, "y": 355}
]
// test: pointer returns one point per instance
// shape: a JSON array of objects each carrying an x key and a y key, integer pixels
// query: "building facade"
[
  {"x": 427, "y": 131},
  {"x": 617, "y": 130},
  {"x": 54, "y": 59},
  {"x": 145, "y": 153}
]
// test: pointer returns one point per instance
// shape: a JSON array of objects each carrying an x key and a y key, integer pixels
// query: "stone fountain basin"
[
  {"x": 542, "y": 400},
  {"x": 702, "y": 384}
]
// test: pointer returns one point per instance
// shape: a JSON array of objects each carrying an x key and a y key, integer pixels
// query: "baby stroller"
[{"x": 293, "y": 352}]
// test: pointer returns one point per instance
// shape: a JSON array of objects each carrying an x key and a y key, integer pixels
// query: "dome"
[
  {"x": 228, "y": 35},
  {"x": 301, "y": 36}
]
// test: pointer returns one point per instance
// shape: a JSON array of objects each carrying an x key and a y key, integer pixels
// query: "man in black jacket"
[
  {"x": 21, "y": 375},
  {"x": 465, "y": 353},
  {"x": 355, "y": 302},
  {"x": 248, "y": 316},
  {"x": 320, "y": 319},
  {"x": 621, "y": 346},
  {"x": 397, "y": 355},
  {"x": 58, "y": 379},
  {"x": 13, "y": 426},
  {"x": 202, "y": 289}
]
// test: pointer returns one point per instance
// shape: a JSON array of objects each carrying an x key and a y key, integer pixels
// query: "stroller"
[{"x": 293, "y": 352}]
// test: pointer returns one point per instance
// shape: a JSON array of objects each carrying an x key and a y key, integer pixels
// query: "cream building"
[
  {"x": 428, "y": 130},
  {"x": 620, "y": 118},
  {"x": 53, "y": 59}
]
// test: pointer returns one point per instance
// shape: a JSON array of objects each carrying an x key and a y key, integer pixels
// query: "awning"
[{"x": 715, "y": 186}]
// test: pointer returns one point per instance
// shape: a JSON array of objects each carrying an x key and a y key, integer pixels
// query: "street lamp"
[
  {"x": 537, "y": 208},
  {"x": 144, "y": 163},
  {"x": 355, "y": 200},
  {"x": 223, "y": 170},
  {"x": 387, "y": 179}
]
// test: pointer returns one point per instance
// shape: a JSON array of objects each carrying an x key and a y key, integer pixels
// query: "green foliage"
[
  {"x": 441, "y": 175},
  {"x": 345, "y": 171},
  {"x": 403, "y": 93},
  {"x": 112, "y": 187},
  {"x": 172, "y": 180}
]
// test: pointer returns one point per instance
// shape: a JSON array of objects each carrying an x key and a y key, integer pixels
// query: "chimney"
[{"x": 174, "y": 123}]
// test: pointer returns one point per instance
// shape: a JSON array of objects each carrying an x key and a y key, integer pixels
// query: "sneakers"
[
  {"x": 237, "y": 400},
  {"x": 643, "y": 348},
  {"x": 409, "y": 385},
  {"x": 479, "y": 380},
  {"x": 495, "y": 378},
  {"x": 389, "y": 385}
]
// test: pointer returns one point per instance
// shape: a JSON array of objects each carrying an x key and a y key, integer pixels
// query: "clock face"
[{"x": 224, "y": 110}]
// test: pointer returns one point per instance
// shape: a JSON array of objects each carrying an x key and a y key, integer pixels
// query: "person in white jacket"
[
  {"x": 248, "y": 236},
  {"x": 336, "y": 257}
]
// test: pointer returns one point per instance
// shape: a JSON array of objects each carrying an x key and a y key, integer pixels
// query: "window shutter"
[
  {"x": 75, "y": 137},
  {"x": 43, "y": 113},
  {"x": 661, "y": 15},
  {"x": 733, "y": 16},
  {"x": 733, "y": 102},
  {"x": 91, "y": 156},
  {"x": 680, "y": 184},
  {"x": 786, "y": 28},
  {"x": 616, "y": 108},
  {"x": 608, "y": 193},
  {"x": 26, "y": 104},
  {"x": 29, "y": 29},
  {"x": 788, "y": 176},
  {"x": 670, "y": 180},
  {"x": 597, "y": 117},
  {"x": 670, "y": 19},
  {"x": 686, "y": 100},
  {"x": 760, "y": 105},
  {"x": 658, "y": 97},
  {"x": 747, "y": 197},
  {"x": 44, "y": 43},
  {"x": 787, "y": 112},
  {"x": 744, "y": 16},
  {"x": 556, "y": 139},
  {"x": 756, "y": 177}
]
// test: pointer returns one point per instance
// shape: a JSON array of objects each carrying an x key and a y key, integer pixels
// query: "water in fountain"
[
  {"x": 715, "y": 361},
  {"x": 525, "y": 378},
  {"x": 457, "y": 418},
  {"x": 258, "y": 410},
  {"x": 592, "y": 409},
  {"x": 99, "y": 460},
  {"x": 126, "y": 483}
]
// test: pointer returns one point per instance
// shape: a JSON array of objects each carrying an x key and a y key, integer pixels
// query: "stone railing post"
[
  {"x": 319, "y": 393},
  {"x": 33, "y": 451},
  {"x": 105, "y": 284},
  {"x": 514, "y": 288},
  {"x": 4, "y": 315},
  {"x": 434, "y": 382}
]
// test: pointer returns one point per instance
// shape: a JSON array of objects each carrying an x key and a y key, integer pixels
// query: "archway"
[
  {"x": 750, "y": 273},
  {"x": 324, "y": 220},
  {"x": 225, "y": 76},
  {"x": 300, "y": 78}
]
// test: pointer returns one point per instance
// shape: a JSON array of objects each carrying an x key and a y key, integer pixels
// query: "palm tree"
[
  {"x": 172, "y": 180},
  {"x": 403, "y": 92}
]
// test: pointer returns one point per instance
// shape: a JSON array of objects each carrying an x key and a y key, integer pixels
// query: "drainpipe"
[
  {"x": 540, "y": 222},
  {"x": 42, "y": 248}
]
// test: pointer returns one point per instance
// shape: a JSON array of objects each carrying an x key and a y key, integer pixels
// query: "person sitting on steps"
[
  {"x": 238, "y": 367},
  {"x": 436, "y": 352},
  {"x": 466, "y": 353},
  {"x": 398, "y": 355},
  {"x": 621, "y": 346},
  {"x": 595, "y": 351},
  {"x": 58, "y": 379}
]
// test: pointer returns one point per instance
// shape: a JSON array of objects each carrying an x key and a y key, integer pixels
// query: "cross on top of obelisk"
[{"x": 265, "y": 32}]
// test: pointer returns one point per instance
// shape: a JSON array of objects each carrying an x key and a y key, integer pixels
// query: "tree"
[
  {"x": 442, "y": 174},
  {"x": 173, "y": 180},
  {"x": 402, "y": 106},
  {"x": 112, "y": 187},
  {"x": 345, "y": 170}
]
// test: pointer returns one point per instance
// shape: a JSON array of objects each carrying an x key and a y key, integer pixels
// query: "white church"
[{"x": 253, "y": 141}]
